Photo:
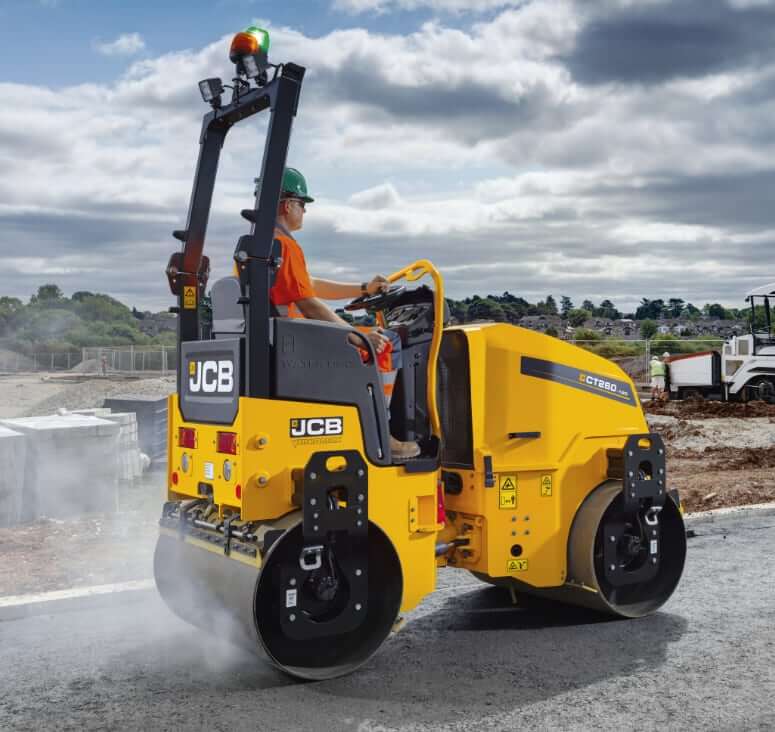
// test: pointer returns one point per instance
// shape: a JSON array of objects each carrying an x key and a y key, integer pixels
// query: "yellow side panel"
[
  {"x": 392, "y": 493},
  {"x": 550, "y": 473}
]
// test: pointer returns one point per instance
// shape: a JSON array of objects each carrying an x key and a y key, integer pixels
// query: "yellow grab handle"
[{"x": 412, "y": 273}]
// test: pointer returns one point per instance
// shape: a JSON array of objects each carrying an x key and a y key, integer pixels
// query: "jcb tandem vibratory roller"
[{"x": 289, "y": 526}]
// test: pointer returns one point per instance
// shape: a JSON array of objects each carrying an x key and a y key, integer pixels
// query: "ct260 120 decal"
[{"x": 605, "y": 386}]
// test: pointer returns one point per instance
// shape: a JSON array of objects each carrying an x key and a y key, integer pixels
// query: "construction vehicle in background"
[
  {"x": 745, "y": 368},
  {"x": 289, "y": 527}
]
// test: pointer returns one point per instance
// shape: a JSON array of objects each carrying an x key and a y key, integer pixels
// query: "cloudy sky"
[{"x": 597, "y": 148}]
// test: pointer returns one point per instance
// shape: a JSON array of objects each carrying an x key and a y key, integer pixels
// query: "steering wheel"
[{"x": 380, "y": 301}]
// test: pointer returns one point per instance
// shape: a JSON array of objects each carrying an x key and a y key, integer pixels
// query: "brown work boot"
[{"x": 403, "y": 450}]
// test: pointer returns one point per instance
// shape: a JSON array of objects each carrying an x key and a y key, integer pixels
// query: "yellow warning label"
[
  {"x": 189, "y": 298},
  {"x": 507, "y": 491},
  {"x": 546, "y": 485},
  {"x": 516, "y": 565},
  {"x": 191, "y": 368}
]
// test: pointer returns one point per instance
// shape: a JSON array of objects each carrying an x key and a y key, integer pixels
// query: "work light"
[{"x": 211, "y": 90}]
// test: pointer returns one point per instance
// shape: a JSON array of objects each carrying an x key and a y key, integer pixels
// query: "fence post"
[
  {"x": 163, "y": 360},
  {"x": 131, "y": 358},
  {"x": 648, "y": 360}
]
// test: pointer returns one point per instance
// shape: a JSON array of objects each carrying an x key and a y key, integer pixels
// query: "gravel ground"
[
  {"x": 718, "y": 454},
  {"x": 697, "y": 434},
  {"x": 93, "y": 392},
  {"x": 466, "y": 659},
  {"x": 31, "y": 395}
]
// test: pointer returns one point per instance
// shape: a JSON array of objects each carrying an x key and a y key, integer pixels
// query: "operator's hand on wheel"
[
  {"x": 377, "y": 285},
  {"x": 377, "y": 340}
]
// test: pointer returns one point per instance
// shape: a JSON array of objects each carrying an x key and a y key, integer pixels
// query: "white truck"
[{"x": 745, "y": 368}]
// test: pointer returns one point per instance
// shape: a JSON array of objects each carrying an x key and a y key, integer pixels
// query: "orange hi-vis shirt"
[{"x": 292, "y": 280}]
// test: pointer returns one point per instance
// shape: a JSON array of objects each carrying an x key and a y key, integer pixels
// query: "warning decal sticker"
[
  {"x": 604, "y": 386},
  {"x": 507, "y": 491},
  {"x": 189, "y": 298},
  {"x": 516, "y": 565},
  {"x": 546, "y": 485}
]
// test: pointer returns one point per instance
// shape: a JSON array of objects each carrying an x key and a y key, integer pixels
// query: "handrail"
[{"x": 412, "y": 273}]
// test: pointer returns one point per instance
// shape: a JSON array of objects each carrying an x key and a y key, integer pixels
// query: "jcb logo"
[
  {"x": 211, "y": 377},
  {"x": 316, "y": 426}
]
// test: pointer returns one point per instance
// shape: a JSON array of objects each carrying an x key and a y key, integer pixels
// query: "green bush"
[
  {"x": 648, "y": 328},
  {"x": 584, "y": 334},
  {"x": 52, "y": 323}
]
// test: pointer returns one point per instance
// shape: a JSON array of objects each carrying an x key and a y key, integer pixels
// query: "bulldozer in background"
[{"x": 289, "y": 528}]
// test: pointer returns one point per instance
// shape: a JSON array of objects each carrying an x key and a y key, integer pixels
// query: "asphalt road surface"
[{"x": 465, "y": 660}]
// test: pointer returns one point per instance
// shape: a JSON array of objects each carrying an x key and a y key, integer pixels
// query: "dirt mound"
[
  {"x": 679, "y": 429},
  {"x": 731, "y": 458},
  {"x": 702, "y": 409}
]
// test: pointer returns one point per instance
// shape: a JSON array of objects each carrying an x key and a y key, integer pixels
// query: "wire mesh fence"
[
  {"x": 95, "y": 360},
  {"x": 130, "y": 359},
  {"x": 11, "y": 362}
]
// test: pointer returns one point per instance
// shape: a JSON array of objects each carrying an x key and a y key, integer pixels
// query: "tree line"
[
  {"x": 53, "y": 323},
  {"x": 511, "y": 308}
]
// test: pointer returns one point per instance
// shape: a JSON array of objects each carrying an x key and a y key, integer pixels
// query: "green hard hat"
[{"x": 294, "y": 185}]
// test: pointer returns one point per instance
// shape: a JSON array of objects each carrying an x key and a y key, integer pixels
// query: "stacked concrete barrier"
[
  {"x": 12, "y": 452},
  {"x": 130, "y": 461},
  {"x": 151, "y": 423},
  {"x": 71, "y": 465}
]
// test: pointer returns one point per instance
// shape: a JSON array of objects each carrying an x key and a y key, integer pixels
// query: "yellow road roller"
[{"x": 289, "y": 527}]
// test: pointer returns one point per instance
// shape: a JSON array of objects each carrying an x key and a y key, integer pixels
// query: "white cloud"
[
  {"x": 379, "y": 197},
  {"x": 126, "y": 44},
  {"x": 746, "y": 4},
  {"x": 450, "y": 6},
  {"x": 476, "y": 148}
]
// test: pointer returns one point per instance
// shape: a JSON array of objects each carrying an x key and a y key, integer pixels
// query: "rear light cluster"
[
  {"x": 224, "y": 442},
  {"x": 227, "y": 442},
  {"x": 187, "y": 437}
]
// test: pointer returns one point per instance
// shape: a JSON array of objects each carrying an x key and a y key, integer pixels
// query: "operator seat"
[{"x": 228, "y": 313}]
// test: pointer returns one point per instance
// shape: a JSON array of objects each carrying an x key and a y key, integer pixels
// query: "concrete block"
[
  {"x": 12, "y": 452},
  {"x": 91, "y": 412},
  {"x": 71, "y": 465},
  {"x": 151, "y": 422},
  {"x": 130, "y": 466}
]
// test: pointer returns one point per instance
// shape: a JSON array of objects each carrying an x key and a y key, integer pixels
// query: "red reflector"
[
  {"x": 227, "y": 442},
  {"x": 187, "y": 437},
  {"x": 441, "y": 515},
  {"x": 238, "y": 490},
  {"x": 174, "y": 478}
]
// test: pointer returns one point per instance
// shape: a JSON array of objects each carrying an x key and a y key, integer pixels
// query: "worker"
[
  {"x": 296, "y": 294},
  {"x": 666, "y": 364},
  {"x": 657, "y": 370}
]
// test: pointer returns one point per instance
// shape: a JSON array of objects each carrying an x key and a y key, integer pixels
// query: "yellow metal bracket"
[{"x": 422, "y": 515}]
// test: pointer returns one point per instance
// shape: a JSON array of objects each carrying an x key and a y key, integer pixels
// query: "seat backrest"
[{"x": 228, "y": 313}]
